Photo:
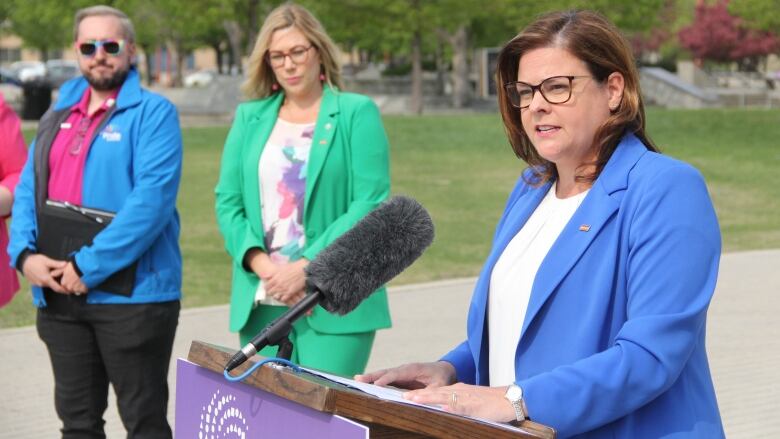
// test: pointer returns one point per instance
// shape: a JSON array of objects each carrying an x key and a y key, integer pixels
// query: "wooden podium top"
[{"x": 386, "y": 419}]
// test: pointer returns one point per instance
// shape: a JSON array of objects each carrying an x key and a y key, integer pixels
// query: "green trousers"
[{"x": 340, "y": 354}]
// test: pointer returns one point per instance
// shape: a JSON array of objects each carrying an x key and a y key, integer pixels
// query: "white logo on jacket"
[{"x": 111, "y": 134}]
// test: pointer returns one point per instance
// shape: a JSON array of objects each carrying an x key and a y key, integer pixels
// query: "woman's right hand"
[
  {"x": 413, "y": 375},
  {"x": 260, "y": 264}
]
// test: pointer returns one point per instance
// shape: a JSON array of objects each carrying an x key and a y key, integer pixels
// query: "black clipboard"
[{"x": 64, "y": 228}]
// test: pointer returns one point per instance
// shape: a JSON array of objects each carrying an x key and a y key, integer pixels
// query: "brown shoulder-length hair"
[
  {"x": 600, "y": 45},
  {"x": 260, "y": 75}
]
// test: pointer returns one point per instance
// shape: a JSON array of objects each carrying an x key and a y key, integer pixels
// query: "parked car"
[
  {"x": 60, "y": 70},
  {"x": 201, "y": 78},
  {"x": 8, "y": 77},
  {"x": 26, "y": 71}
]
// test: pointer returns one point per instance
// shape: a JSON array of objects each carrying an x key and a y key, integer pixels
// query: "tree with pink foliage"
[{"x": 717, "y": 35}]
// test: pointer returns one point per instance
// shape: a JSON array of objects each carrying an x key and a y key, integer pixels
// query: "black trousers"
[{"x": 92, "y": 345}]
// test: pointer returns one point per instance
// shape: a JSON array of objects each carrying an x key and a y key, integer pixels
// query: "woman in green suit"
[{"x": 303, "y": 162}]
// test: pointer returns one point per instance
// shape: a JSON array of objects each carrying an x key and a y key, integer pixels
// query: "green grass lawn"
[{"x": 461, "y": 168}]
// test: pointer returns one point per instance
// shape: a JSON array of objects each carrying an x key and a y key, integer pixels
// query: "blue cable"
[{"x": 254, "y": 367}]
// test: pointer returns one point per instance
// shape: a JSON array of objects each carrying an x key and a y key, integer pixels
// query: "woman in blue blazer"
[{"x": 589, "y": 314}]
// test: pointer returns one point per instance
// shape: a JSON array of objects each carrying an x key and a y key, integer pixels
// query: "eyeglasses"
[
  {"x": 555, "y": 90},
  {"x": 81, "y": 134},
  {"x": 112, "y": 47},
  {"x": 297, "y": 54}
]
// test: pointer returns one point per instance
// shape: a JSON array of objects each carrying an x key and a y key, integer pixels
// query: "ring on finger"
[{"x": 453, "y": 399}]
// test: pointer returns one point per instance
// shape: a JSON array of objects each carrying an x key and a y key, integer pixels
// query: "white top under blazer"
[{"x": 513, "y": 276}]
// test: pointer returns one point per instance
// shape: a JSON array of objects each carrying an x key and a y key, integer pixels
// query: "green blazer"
[{"x": 348, "y": 175}]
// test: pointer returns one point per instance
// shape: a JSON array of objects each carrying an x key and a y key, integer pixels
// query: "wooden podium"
[{"x": 281, "y": 403}]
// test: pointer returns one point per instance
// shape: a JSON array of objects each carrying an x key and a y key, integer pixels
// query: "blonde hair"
[
  {"x": 103, "y": 10},
  {"x": 600, "y": 45},
  {"x": 260, "y": 75}
]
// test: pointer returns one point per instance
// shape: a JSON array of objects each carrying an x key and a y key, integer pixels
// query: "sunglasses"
[{"x": 90, "y": 47}]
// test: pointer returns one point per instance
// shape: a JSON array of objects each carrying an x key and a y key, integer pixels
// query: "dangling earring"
[
  {"x": 322, "y": 77},
  {"x": 274, "y": 86}
]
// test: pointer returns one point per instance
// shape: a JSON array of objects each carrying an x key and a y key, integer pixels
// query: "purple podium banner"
[{"x": 210, "y": 407}]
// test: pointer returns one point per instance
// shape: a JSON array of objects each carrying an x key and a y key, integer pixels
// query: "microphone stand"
[{"x": 277, "y": 333}]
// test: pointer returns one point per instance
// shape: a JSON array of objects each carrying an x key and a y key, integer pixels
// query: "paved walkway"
[{"x": 743, "y": 343}]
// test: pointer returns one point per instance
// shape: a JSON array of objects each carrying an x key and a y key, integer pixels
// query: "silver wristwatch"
[{"x": 514, "y": 394}]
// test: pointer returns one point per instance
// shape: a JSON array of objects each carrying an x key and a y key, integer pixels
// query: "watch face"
[{"x": 514, "y": 393}]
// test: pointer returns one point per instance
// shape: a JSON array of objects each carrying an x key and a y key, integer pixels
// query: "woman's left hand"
[
  {"x": 288, "y": 281},
  {"x": 464, "y": 399}
]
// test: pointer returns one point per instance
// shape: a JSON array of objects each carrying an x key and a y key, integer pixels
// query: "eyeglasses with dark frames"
[
  {"x": 297, "y": 54},
  {"x": 90, "y": 47},
  {"x": 555, "y": 90}
]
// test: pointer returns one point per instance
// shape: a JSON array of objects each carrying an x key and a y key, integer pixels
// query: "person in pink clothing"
[{"x": 12, "y": 157}]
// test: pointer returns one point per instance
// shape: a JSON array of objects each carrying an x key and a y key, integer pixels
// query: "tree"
[
  {"x": 649, "y": 40},
  {"x": 753, "y": 49},
  {"x": 645, "y": 23},
  {"x": 43, "y": 24},
  {"x": 235, "y": 41},
  {"x": 216, "y": 38},
  {"x": 148, "y": 24},
  {"x": 464, "y": 22},
  {"x": 761, "y": 15},
  {"x": 639, "y": 15},
  {"x": 191, "y": 27},
  {"x": 758, "y": 14},
  {"x": 183, "y": 29},
  {"x": 381, "y": 26},
  {"x": 462, "y": 25},
  {"x": 416, "y": 101},
  {"x": 374, "y": 26},
  {"x": 241, "y": 22},
  {"x": 5, "y": 13},
  {"x": 719, "y": 36},
  {"x": 455, "y": 22}
]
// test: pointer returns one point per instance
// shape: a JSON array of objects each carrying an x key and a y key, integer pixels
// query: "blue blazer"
[{"x": 612, "y": 344}]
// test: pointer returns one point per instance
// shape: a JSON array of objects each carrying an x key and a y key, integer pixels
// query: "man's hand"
[
  {"x": 42, "y": 271},
  {"x": 71, "y": 280}
]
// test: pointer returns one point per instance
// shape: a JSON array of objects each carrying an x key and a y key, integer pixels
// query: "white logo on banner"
[{"x": 219, "y": 419}]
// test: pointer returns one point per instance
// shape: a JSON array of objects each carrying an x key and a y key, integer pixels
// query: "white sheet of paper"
[
  {"x": 393, "y": 394},
  {"x": 387, "y": 393}
]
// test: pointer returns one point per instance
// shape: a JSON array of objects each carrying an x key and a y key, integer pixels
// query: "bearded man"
[{"x": 96, "y": 231}]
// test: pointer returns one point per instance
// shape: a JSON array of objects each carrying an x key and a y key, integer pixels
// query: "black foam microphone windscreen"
[{"x": 378, "y": 248}]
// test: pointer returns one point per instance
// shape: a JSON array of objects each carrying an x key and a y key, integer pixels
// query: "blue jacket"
[
  {"x": 612, "y": 345},
  {"x": 133, "y": 168}
]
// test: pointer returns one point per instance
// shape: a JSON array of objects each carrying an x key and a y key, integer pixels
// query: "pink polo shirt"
[{"x": 69, "y": 151}]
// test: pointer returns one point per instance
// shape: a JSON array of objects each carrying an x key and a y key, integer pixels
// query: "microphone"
[{"x": 378, "y": 248}]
